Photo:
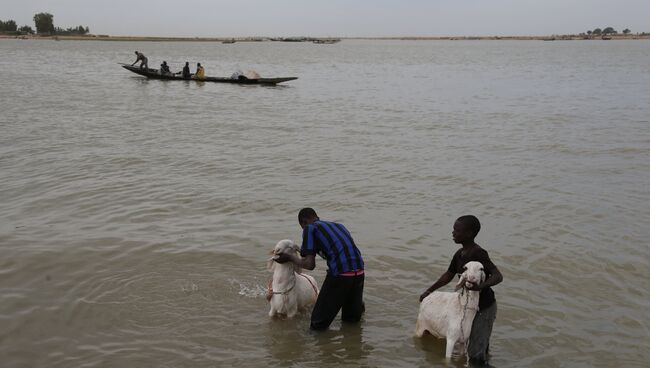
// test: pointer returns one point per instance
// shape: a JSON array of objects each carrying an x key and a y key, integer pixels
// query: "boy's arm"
[
  {"x": 494, "y": 275},
  {"x": 442, "y": 281},
  {"x": 494, "y": 279}
]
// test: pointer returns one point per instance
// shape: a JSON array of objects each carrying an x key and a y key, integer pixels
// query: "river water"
[{"x": 137, "y": 215}]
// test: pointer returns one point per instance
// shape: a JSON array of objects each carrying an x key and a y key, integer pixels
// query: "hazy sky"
[{"x": 344, "y": 18}]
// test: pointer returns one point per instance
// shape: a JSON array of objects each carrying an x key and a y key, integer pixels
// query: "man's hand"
[{"x": 283, "y": 258}]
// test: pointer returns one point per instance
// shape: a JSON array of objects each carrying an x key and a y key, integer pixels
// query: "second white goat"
[{"x": 450, "y": 314}]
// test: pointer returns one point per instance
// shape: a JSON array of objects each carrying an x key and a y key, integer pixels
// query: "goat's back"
[
  {"x": 307, "y": 290},
  {"x": 438, "y": 311}
]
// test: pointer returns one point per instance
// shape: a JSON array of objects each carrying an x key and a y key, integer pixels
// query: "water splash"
[
  {"x": 248, "y": 290},
  {"x": 188, "y": 287}
]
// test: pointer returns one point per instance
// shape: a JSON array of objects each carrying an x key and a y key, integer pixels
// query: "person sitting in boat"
[
  {"x": 200, "y": 72},
  {"x": 186, "y": 71},
  {"x": 144, "y": 62},
  {"x": 164, "y": 69}
]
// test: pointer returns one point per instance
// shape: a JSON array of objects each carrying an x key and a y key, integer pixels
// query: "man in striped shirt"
[{"x": 343, "y": 285}]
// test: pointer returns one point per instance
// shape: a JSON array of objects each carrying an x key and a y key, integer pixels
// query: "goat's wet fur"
[
  {"x": 291, "y": 289},
  {"x": 450, "y": 314}
]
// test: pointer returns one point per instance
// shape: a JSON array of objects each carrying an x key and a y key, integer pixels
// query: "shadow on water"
[
  {"x": 292, "y": 342},
  {"x": 343, "y": 346},
  {"x": 270, "y": 86},
  {"x": 286, "y": 341},
  {"x": 140, "y": 79},
  {"x": 146, "y": 81},
  {"x": 434, "y": 353}
]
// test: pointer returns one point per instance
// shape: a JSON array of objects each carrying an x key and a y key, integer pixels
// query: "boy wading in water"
[{"x": 465, "y": 230}]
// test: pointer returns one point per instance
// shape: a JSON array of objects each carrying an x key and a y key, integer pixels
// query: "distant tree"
[
  {"x": 87, "y": 30},
  {"x": 44, "y": 23},
  {"x": 589, "y": 33},
  {"x": 597, "y": 31},
  {"x": 626, "y": 31},
  {"x": 8, "y": 26},
  {"x": 609, "y": 30},
  {"x": 26, "y": 29},
  {"x": 79, "y": 30}
]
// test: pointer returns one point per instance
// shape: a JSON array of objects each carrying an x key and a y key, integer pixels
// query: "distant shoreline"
[{"x": 643, "y": 36}]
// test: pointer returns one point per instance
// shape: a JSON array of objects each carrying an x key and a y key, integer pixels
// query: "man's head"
[
  {"x": 198, "y": 64},
  {"x": 137, "y": 52},
  {"x": 307, "y": 216},
  {"x": 465, "y": 229},
  {"x": 187, "y": 63}
]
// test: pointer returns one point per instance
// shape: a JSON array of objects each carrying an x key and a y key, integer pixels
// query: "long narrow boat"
[{"x": 154, "y": 74}]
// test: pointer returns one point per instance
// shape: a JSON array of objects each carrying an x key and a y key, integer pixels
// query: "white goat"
[
  {"x": 450, "y": 314},
  {"x": 290, "y": 289}
]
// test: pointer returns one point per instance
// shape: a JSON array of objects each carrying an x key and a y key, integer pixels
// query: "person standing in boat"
[
  {"x": 200, "y": 72},
  {"x": 144, "y": 62},
  {"x": 186, "y": 71}
]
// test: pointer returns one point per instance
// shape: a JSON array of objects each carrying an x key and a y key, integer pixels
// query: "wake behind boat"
[{"x": 155, "y": 74}]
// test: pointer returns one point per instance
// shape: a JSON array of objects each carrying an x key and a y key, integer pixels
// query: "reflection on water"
[{"x": 339, "y": 347}]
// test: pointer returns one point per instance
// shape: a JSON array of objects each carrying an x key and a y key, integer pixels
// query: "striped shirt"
[{"x": 333, "y": 242}]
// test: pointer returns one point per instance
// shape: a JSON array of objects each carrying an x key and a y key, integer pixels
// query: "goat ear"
[
  {"x": 461, "y": 282},
  {"x": 270, "y": 263},
  {"x": 296, "y": 248}
]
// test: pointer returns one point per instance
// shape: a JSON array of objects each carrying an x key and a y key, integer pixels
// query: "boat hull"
[{"x": 154, "y": 74}]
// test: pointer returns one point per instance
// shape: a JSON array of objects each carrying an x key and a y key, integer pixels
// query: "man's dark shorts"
[{"x": 338, "y": 293}]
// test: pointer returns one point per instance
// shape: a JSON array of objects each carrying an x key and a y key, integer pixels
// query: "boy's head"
[
  {"x": 306, "y": 216},
  {"x": 465, "y": 229}
]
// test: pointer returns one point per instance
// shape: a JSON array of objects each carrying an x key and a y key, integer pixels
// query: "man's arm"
[
  {"x": 442, "y": 281},
  {"x": 308, "y": 262}
]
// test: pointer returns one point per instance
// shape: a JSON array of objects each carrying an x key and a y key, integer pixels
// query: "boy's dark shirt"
[{"x": 478, "y": 254}]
